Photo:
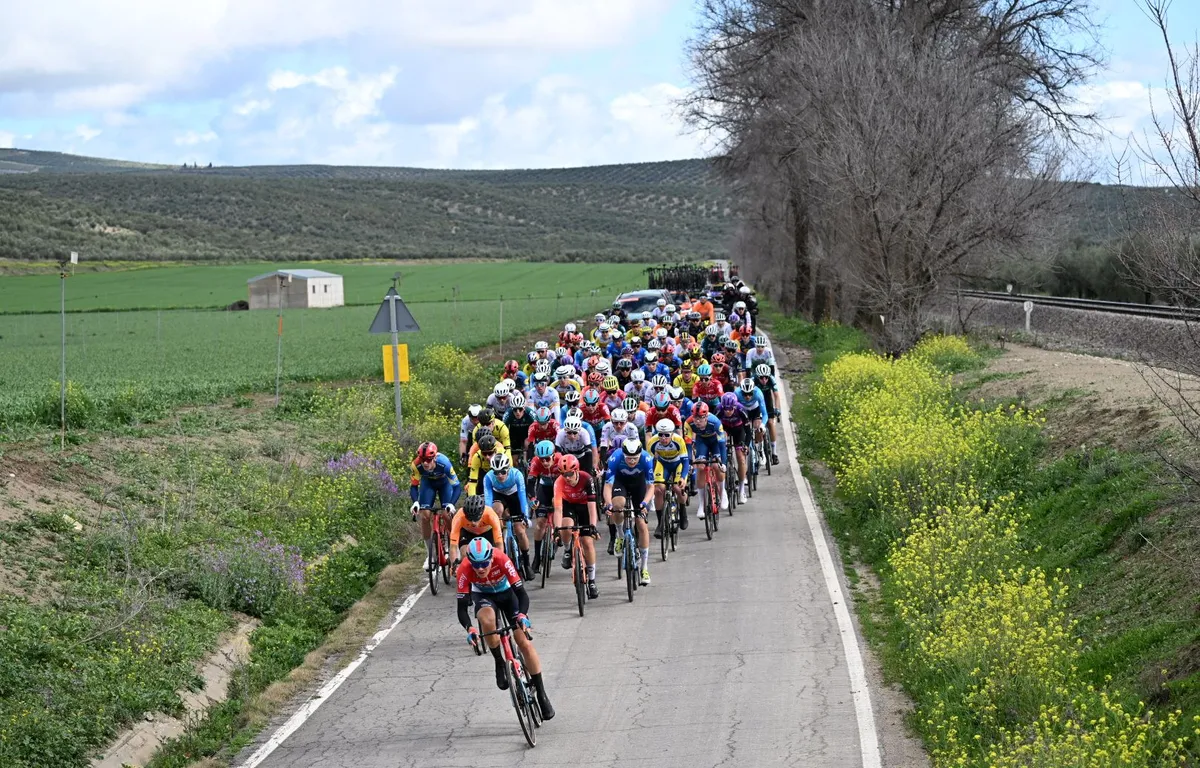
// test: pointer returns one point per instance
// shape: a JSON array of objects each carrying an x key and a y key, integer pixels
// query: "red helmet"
[
  {"x": 596, "y": 379},
  {"x": 426, "y": 451},
  {"x": 511, "y": 366},
  {"x": 718, "y": 358},
  {"x": 700, "y": 411},
  {"x": 569, "y": 463}
]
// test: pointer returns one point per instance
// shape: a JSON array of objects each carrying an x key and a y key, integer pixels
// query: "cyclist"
[
  {"x": 613, "y": 394},
  {"x": 543, "y": 394},
  {"x": 635, "y": 347},
  {"x": 769, "y": 386},
  {"x": 651, "y": 367},
  {"x": 750, "y": 397},
  {"x": 721, "y": 324},
  {"x": 707, "y": 389},
  {"x": 595, "y": 412},
  {"x": 703, "y": 307},
  {"x": 687, "y": 378},
  {"x": 544, "y": 427},
  {"x": 476, "y": 518},
  {"x": 469, "y": 422},
  {"x": 564, "y": 380},
  {"x": 488, "y": 420},
  {"x": 660, "y": 309},
  {"x": 480, "y": 460},
  {"x": 498, "y": 400},
  {"x": 624, "y": 373},
  {"x": 543, "y": 471},
  {"x": 488, "y": 579},
  {"x": 722, "y": 372},
  {"x": 637, "y": 413},
  {"x": 695, "y": 324},
  {"x": 575, "y": 504},
  {"x": 630, "y": 475},
  {"x": 432, "y": 475},
  {"x": 708, "y": 442},
  {"x": 638, "y": 386},
  {"x": 615, "y": 433},
  {"x": 504, "y": 491},
  {"x": 575, "y": 440},
  {"x": 518, "y": 420},
  {"x": 760, "y": 355},
  {"x": 671, "y": 467},
  {"x": 569, "y": 400},
  {"x": 512, "y": 371},
  {"x": 681, "y": 403},
  {"x": 751, "y": 304},
  {"x": 737, "y": 430}
]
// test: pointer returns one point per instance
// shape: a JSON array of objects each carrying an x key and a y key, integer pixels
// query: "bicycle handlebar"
[{"x": 504, "y": 631}]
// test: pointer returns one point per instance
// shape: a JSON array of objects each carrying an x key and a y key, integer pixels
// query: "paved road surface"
[{"x": 731, "y": 657}]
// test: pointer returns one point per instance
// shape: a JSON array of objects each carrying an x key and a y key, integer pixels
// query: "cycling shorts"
[
  {"x": 544, "y": 494},
  {"x": 465, "y": 537},
  {"x": 511, "y": 502},
  {"x": 578, "y": 513},
  {"x": 772, "y": 413},
  {"x": 632, "y": 489},
  {"x": 739, "y": 435},
  {"x": 443, "y": 489},
  {"x": 665, "y": 472},
  {"x": 703, "y": 447},
  {"x": 505, "y": 601}
]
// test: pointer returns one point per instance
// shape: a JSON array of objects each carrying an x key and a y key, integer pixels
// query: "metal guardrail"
[{"x": 1092, "y": 305}]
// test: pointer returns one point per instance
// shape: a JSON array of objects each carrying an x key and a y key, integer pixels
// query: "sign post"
[
  {"x": 62, "y": 309},
  {"x": 1028, "y": 307},
  {"x": 394, "y": 318}
]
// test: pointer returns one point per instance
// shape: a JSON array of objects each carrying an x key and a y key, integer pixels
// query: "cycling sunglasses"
[
  {"x": 572, "y": 431},
  {"x": 481, "y": 566}
]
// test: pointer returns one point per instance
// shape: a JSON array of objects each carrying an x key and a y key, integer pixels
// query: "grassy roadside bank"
[
  {"x": 1028, "y": 599},
  {"x": 126, "y": 555}
]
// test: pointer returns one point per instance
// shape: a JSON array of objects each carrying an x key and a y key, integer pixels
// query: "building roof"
[{"x": 300, "y": 274}]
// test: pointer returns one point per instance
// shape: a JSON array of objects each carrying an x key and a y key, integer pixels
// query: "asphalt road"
[{"x": 731, "y": 657}]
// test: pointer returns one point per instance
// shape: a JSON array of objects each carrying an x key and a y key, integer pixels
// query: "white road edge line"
[
  {"x": 868, "y": 739},
  {"x": 320, "y": 697}
]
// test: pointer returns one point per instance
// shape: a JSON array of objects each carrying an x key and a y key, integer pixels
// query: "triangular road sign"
[{"x": 383, "y": 318}]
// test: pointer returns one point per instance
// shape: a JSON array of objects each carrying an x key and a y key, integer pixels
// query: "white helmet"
[
  {"x": 543, "y": 367},
  {"x": 517, "y": 400},
  {"x": 744, "y": 290},
  {"x": 573, "y": 424},
  {"x": 499, "y": 390},
  {"x": 651, "y": 355},
  {"x": 659, "y": 382},
  {"x": 572, "y": 396},
  {"x": 669, "y": 308},
  {"x": 509, "y": 385},
  {"x": 605, "y": 327},
  {"x": 569, "y": 327},
  {"x": 676, "y": 393},
  {"x": 710, "y": 330},
  {"x": 619, "y": 414},
  {"x": 500, "y": 461},
  {"x": 474, "y": 411},
  {"x": 599, "y": 318},
  {"x": 739, "y": 306},
  {"x": 576, "y": 413},
  {"x": 638, "y": 376},
  {"x": 614, "y": 319},
  {"x": 661, "y": 302},
  {"x": 663, "y": 427},
  {"x": 604, "y": 367},
  {"x": 541, "y": 346},
  {"x": 654, "y": 345},
  {"x": 631, "y": 447},
  {"x": 660, "y": 333},
  {"x": 564, "y": 371},
  {"x": 561, "y": 351}
]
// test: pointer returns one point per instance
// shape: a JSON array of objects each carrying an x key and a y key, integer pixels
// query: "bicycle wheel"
[
  {"x": 708, "y": 511},
  {"x": 580, "y": 583},
  {"x": 630, "y": 571},
  {"x": 444, "y": 546},
  {"x": 766, "y": 454},
  {"x": 547, "y": 555},
  {"x": 520, "y": 701},
  {"x": 714, "y": 495},
  {"x": 431, "y": 547},
  {"x": 665, "y": 541},
  {"x": 674, "y": 528}
]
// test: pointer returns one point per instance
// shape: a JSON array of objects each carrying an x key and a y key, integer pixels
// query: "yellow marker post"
[{"x": 389, "y": 363}]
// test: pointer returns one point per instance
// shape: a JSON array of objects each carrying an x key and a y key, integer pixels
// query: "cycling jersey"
[
  {"x": 477, "y": 465},
  {"x": 614, "y": 349},
  {"x": 440, "y": 481},
  {"x": 562, "y": 386},
  {"x": 466, "y": 427},
  {"x": 653, "y": 416},
  {"x": 618, "y": 469},
  {"x": 518, "y": 428},
  {"x": 686, "y": 381},
  {"x": 501, "y": 580},
  {"x": 442, "y": 470},
  {"x": 575, "y": 444},
  {"x": 493, "y": 402},
  {"x": 710, "y": 428},
  {"x": 463, "y": 530},
  {"x": 539, "y": 432},
  {"x": 640, "y": 391},
  {"x": 754, "y": 403},
  {"x": 725, "y": 374},
  {"x": 657, "y": 369},
  {"x": 499, "y": 430},
  {"x": 579, "y": 493},
  {"x": 707, "y": 390},
  {"x": 669, "y": 452},
  {"x": 512, "y": 484},
  {"x": 544, "y": 470},
  {"x": 614, "y": 401},
  {"x": 594, "y": 414},
  {"x": 545, "y": 399},
  {"x": 733, "y": 419},
  {"x": 755, "y": 358},
  {"x": 611, "y": 438}
]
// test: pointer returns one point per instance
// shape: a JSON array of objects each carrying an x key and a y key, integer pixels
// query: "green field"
[
  {"x": 176, "y": 287},
  {"x": 133, "y": 366}
]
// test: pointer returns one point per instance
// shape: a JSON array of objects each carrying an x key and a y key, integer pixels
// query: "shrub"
[
  {"x": 949, "y": 354},
  {"x": 248, "y": 575}
]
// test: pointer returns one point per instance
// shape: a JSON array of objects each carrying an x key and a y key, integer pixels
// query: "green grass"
[
  {"x": 215, "y": 286},
  {"x": 127, "y": 367}
]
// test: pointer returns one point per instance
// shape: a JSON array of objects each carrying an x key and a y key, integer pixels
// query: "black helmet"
[
  {"x": 487, "y": 443},
  {"x": 473, "y": 508},
  {"x": 487, "y": 416}
]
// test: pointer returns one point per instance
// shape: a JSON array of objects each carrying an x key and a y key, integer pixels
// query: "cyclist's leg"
[
  {"x": 485, "y": 612},
  {"x": 425, "y": 494},
  {"x": 507, "y": 602},
  {"x": 660, "y": 484}
]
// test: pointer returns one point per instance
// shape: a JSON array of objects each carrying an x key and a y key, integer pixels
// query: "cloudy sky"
[{"x": 442, "y": 83}]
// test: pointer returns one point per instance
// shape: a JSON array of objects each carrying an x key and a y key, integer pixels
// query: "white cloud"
[
  {"x": 252, "y": 106},
  {"x": 448, "y": 137},
  {"x": 192, "y": 138},
  {"x": 114, "y": 54},
  {"x": 7, "y": 139},
  {"x": 86, "y": 133}
]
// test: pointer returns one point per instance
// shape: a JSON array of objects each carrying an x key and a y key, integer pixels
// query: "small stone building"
[{"x": 307, "y": 288}]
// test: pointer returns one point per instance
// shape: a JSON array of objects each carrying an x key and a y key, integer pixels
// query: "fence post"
[{"x": 501, "y": 326}]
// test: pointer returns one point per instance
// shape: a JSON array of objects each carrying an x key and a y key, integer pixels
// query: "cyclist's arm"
[
  {"x": 464, "y": 603},
  {"x": 558, "y": 501},
  {"x": 522, "y": 495},
  {"x": 456, "y": 532},
  {"x": 500, "y": 429},
  {"x": 518, "y": 589},
  {"x": 686, "y": 466},
  {"x": 414, "y": 485},
  {"x": 488, "y": 490}
]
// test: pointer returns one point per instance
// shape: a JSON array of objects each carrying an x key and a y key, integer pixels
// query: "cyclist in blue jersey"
[
  {"x": 541, "y": 394},
  {"x": 769, "y": 386},
  {"x": 504, "y": 491},
  {"x": 630, "y": 476},
  {"x": 708, "y": 441},
  {"x": 433, "y": 476}
]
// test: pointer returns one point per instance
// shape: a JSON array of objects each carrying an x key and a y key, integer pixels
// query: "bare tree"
[{"x": 884, "y": 147}]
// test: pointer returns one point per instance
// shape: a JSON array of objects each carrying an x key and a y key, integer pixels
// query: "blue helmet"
[
  {"x": 662, "y": 400},
  {"x": 479, "y": 551},
  {"x": 544, "y": 449},
  {"x": 704, "y": 370}
]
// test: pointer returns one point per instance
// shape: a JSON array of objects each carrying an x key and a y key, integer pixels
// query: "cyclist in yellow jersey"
[
  {"x": 481, "y": 461},
  {"x": 687, "y": 378},
  {"x": 498, "y": 428},
  {"x": 671, "y": 466}
]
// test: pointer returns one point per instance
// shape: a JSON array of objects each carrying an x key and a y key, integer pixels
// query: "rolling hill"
[{"x": 646, "y": 212}]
